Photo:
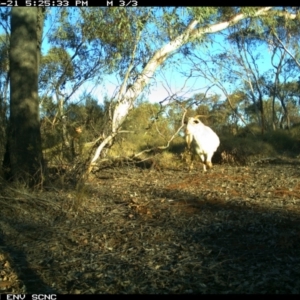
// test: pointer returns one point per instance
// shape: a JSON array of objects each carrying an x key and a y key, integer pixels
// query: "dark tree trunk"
[
  {"x": 24, "y": 159},
  {"x": 262, "y": 113},
  {"x": 286, "y": 116}
]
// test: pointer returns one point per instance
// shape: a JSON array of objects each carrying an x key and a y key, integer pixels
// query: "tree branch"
[{"x": 286, "y": 50}]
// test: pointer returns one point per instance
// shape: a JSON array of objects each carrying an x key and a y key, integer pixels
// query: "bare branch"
[
  {"x": 286, "y": 50},
  {"x": 169, "y": 141}
]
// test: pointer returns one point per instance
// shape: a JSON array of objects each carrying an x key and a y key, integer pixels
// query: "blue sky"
[{"x": 167, "y": 81}]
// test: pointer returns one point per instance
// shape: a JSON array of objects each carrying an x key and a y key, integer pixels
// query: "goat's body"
[{"x": 201, "y": 140}]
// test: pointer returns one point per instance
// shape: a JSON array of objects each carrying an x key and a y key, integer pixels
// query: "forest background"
[{"x": 119, "y": 83}]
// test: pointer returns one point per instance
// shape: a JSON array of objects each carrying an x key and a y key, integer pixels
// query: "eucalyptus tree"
[
  {"x": 4, "y": 77},
  {"x": 86, "y": 45},
  {"x": 4, "y": 85},
  {"x": 235, "y": 69},
  {"x": 288, "y": 94},
  {"x": 4, "y": 70},
  {"x": 279, "y": 34},
  {"x": 70, "y": 62},
  {"x": 177, "y": 29},
  {"x": 23, "y": 158},
  {"x": 284, "y": 87},
  {"x": 282, "y": 39}
]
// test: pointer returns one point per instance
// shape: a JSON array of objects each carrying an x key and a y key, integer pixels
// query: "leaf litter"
[{"x": 234, "y": 229}]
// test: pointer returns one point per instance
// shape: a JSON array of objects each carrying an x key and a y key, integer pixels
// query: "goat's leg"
[
  {"x": 188, "y": 139},
  {"x": 192, "y": 157},
  {"x": 208, "y": 160},
  {"x": 203, "y": 158}
]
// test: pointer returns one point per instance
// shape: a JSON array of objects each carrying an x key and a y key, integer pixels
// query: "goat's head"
[
  {"x": 190, "y": 128},
  {"x": 194, "y": 120},
  {"x": 193, "y": 123}
]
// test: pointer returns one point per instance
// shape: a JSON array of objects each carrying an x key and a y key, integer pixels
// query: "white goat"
[{"x": 204, "y": 141}]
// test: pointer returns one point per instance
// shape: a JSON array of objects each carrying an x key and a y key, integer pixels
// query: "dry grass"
[{"x": 235, "y": 229}]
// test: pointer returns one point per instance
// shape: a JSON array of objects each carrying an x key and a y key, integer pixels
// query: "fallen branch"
[{"x": 168, "y": 143}]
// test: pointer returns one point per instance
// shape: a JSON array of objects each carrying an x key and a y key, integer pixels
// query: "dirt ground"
[{"x": 235, "y": 229}]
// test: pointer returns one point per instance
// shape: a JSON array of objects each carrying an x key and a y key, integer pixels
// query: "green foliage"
[
  {"x": 87, "y": 115},
  {"x": 116, "y": 32},
  {"x": 47, "y": 107},
  {"x": 283, "y": 142},
  {"x": 204, "y": 14},
  {"x": 55, "y": 63},
  {"x": 246, "y": 147},
  {"x": 249, "y": 142},
  {"x": 168, "y": 160},
  {"x": 4, "y": 59},
  {"x": 145, "y": 117},
  {"x": 51, "y": 135},
  {"x": 144, "y": 128},
  {"x": 87, "y": 44},
  {"x": 251, "y": 129}
]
